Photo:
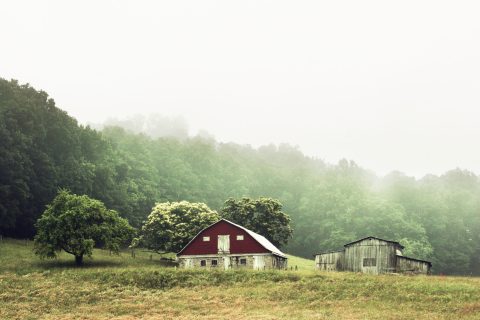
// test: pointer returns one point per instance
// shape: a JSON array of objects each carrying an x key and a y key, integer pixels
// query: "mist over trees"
[
  {"x": 153, "y": 125},
  {"x": 44, "y": 150}
]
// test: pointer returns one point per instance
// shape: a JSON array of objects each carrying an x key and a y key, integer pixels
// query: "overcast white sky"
[{"x": 389, "y": 84}]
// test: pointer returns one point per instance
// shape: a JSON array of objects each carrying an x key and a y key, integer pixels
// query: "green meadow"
[{"x": 149, "y": 287}]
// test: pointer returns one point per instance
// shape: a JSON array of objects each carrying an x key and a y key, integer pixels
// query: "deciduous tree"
[
  {"x": 263, "y": 215},
  {"x": 171, "y": 225},
  {"x": 75, "y": 224}
]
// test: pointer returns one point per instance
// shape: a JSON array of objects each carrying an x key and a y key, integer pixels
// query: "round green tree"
[
  {"x": 263, "y": 216},
  {"x": 76, "y": 224},
  {"x": 171, "y": 225}
]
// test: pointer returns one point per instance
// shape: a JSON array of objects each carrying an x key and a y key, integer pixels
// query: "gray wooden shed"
[{"x": 371, "y": 255}]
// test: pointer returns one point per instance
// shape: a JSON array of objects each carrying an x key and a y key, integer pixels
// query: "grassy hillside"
[{"x": 125, "y": 288}]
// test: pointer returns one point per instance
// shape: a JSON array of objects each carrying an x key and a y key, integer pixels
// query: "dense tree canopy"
[
  {"x": 171, "y": 225},
  {"x": 75, "y": 224},
  {"x": 263, "y": 216},
  {"x": 43, "y": 149}
]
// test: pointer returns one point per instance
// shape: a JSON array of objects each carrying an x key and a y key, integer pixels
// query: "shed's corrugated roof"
[
  {"x": 395, "y": 242},
  {"x": 259, "y": 238},
  {"x": 327, "y": 252},
  {"x": 419, "y": 260}
]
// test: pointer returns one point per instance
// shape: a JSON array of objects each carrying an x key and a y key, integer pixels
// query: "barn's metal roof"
[
  {"x": 259, "y": 238},
  {"x": 395, "y": 242}
]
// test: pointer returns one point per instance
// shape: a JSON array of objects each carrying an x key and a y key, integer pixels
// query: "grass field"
[{"x": 120, "y": 287}]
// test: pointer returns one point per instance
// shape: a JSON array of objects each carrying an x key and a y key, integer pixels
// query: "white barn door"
[
  {"x": 258, "y": 262},
  {"x": 188, "y": 263},
  {"x": 226, "y": 263},
  {"x": 224, "y": 244}
]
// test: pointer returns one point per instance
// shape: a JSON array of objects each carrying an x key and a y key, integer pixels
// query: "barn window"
[
  {"x": 240, "y": 237},
  {"x": 243, "y": 262},
  {"x": 214, "y": 263},
  {"x": 369, "y": 262},
  {"x": 206, "y": 238},
  {"x": 203, "y": 263}
]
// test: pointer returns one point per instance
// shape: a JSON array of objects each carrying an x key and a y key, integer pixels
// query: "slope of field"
[{"x": 120, "y": 287}]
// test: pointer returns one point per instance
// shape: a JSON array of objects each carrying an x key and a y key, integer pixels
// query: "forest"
[{"x": 43, "y": 150}]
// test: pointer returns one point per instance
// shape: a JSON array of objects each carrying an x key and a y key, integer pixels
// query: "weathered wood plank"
[{"x": 371, "y": 255}]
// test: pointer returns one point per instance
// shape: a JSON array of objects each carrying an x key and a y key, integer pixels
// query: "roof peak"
[{"x": 373, "y": 237}]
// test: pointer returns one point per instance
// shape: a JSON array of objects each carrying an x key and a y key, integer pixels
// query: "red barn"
[{"x": 227, "y": 245}]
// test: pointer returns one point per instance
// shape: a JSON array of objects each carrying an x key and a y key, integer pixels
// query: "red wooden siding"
[{"x": 247, "y": 245}]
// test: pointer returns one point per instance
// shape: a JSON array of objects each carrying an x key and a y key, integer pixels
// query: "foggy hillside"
[{"x": 44, "y": 149}]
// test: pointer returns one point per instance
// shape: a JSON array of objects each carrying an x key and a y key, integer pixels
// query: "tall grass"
[{"x": 110, "y": 287}]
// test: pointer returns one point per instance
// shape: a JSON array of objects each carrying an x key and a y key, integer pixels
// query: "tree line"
[{"x": 43, "y": 150}]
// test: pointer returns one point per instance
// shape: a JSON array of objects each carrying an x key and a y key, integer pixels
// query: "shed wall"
[
  {"x": 332, "y": 261},
  {"x": 407, "y": 265},
  {"x": 372, "y": 256},
  {"x": 226, "y": 262}
]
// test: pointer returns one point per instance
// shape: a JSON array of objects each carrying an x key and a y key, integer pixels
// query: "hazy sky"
[{"x": 389, "y": 84}]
